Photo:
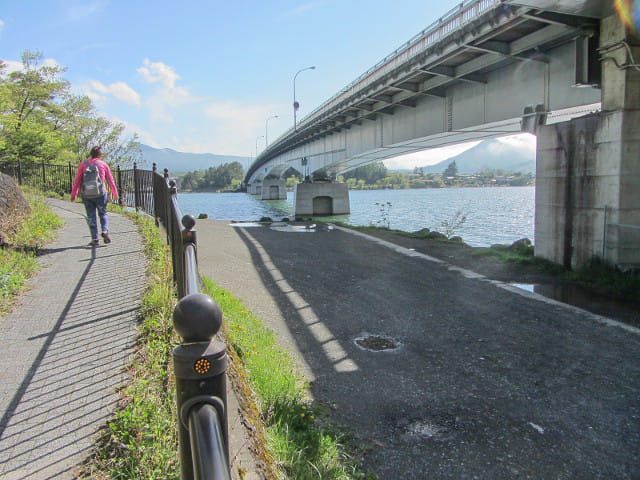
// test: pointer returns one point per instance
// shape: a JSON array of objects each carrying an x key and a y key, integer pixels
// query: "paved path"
[
  {"x": 64, "y": 349},
  {"x": 65, "y": 346},
  {"x": 487, "y": 381}
]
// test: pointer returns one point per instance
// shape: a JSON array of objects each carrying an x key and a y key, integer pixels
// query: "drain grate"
[{"x": 376, "y": 343}]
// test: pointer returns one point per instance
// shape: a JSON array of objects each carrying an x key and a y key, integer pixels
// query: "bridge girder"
[{"x": 499, "y": 38}]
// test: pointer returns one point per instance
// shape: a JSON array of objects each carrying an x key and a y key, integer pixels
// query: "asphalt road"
[{"x": 484, "y": 381}]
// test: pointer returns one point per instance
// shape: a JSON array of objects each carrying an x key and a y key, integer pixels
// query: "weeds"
[
  {"x": 18, "y": 263},
  {"x": 451, "y": 225},
  {"x": 385, "y": 217}
]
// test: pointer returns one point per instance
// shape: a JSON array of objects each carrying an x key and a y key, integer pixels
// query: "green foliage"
[
  {"x": 369, "y": 174},
  {"x": 610, "y": 280},
  {"x": 38, "y": 228},
  {"x": 15, "y": 270},
  {"x": 451, "y": 170},
  {"x": 224, "y": 177},
  {"x": 19, "y": 263},
  {"x": 300, "y": 435},
  {"x": 40, "y": 119}
]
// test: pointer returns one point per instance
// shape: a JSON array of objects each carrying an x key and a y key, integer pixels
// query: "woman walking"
[{"x": 92, "y": 176}]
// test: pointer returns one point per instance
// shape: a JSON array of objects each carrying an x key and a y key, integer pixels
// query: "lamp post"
[
  {"x": 258, "y": 138},
  {"x": 266, "y": 130},
  {"x": 295, "y": 103}
]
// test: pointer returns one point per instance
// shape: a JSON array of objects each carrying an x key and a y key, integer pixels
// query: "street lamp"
[
  {"x": 296, "y": 105},
  {"x": 258, "y": 138},
  {"x": 266, "y": 130}
]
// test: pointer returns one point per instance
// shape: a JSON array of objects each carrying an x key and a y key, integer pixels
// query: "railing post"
[
  {"x": 200, "y": 365},
  {"x": 20, "y": 172},
  {"x": 119, "y": 180},
  {"x": 70, "y": 176},
  {"x": 44, "y": 177},
  {"x": 604, "y": 236},
  {"x": 136, "y": 193}
]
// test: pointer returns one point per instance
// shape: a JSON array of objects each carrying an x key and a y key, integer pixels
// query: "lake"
[{"x": 493, "y": 214}]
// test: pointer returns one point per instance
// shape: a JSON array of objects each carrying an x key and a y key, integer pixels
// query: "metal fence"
[
  {"x": 200, "y": 362},
  {"x": 617, "y": 236}
]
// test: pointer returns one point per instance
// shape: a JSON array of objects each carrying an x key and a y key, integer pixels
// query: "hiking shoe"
[
  {"x": 105, "y": 237},
  {"x": 94, "y": 243}
]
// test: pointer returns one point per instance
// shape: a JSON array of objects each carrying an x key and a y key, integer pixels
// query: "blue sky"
[{"x": 207, "y": 76}]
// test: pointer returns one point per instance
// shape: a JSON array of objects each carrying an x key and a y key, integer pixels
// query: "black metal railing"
[{"x": 200, "y": 361}]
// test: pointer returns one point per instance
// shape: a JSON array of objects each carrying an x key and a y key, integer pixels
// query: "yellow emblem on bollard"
[{"x": 202, "y": 366}]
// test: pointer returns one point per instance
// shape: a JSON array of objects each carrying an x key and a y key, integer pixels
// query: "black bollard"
[{"x": 200, "y": 365}]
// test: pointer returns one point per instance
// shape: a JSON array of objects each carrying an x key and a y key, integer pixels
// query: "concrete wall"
[
  {"x": 305, "y": 193},
  {"x": 274, "y": 189}
]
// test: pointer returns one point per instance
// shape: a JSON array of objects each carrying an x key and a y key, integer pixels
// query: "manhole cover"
[{"x": 376, "y": 343}]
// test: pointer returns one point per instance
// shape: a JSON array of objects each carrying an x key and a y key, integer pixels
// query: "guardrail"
[{"x": 200, "y": 362}]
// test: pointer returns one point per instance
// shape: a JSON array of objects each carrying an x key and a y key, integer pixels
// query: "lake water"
[{"x": 493, "y": 215}]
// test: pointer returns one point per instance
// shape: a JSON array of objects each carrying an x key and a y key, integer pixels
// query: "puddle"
[
  {"x": 587, "y": 300},
  {"x": 376, "y": 343},
  {"x": 246, "y": 224}
]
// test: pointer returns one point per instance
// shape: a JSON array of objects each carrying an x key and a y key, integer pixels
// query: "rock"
[
  {"x": 203, "y": 215},
  {"x": 436, "y": 236},
  {"x": 521, "y": 245},
  {"x": 456, "y": 239},
  {"x": 13, "y": 206}
]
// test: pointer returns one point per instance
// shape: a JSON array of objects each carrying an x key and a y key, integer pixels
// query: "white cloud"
[
  {"x": 302, "y": 9},
  {"x": 79, "y": 13},
  {"x": 154, "y": 72},
  {"x": 12, "y": 66},
  {"x": 1, "y": 25},
  {"x": 237, "y": 128},
  {"x": 97, "y": 92}
]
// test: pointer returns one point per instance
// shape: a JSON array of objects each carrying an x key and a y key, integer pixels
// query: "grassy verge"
[
  {"x": 302, "y": 443},
  {"x": 18, "y": 262},
  {"x": 141, "y": 440}
]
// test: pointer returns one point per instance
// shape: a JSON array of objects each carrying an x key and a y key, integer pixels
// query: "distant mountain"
[
  {"x": 489, "y": 154},
  {"x": 182, "y": 162}
]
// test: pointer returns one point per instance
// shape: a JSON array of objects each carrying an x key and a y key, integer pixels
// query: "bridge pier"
[
  {"x": 274, "y": 189},
  {"x": 592, "y": 162},
  {"x": 254, "y": 188},
  {"x": 321, "y": 198}
]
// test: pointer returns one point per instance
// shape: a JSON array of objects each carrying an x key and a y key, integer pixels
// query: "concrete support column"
[
  {"x": 321, "y": 198},
  {"x": 593, "y": 162},
  {"x": 274, "y": 189}
]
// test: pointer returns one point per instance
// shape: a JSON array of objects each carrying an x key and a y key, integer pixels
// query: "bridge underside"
[{"x": 510, "y": 69}]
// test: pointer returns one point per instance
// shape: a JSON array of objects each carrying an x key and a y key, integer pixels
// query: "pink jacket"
[{"x": 105, "y": 174}]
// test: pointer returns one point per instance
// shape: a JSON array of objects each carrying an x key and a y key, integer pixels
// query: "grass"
[
  {"x": 301, "y": 440},
  {"x": 18, "y": 263}
]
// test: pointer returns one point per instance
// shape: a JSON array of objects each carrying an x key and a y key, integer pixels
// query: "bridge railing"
[
  {"x": 200, "y": 362},
  {"x": 453, "y": 20}
]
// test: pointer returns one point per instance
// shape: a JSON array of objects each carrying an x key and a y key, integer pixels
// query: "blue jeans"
[{"x": 92, "y": 205}]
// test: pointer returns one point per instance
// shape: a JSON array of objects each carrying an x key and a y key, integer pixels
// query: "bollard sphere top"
[
  {"x": 197, "y": 318},
  {"x": 188, "y": 221}
]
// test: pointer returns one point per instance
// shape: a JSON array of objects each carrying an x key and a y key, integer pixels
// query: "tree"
[
  {"x": 451, "y": 170},
  {"x": 40, "y": 119},
  {"x": 370, "y": 173},
  {"x": 30, "y": 107}
]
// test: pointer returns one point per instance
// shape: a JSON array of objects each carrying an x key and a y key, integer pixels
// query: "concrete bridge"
[{"x": 565, "y": 70}]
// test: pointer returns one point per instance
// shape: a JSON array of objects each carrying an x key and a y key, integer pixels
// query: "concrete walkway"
[
  {"x": 479, "y": 379},
  {"x": 64, "y": 349},
  {"x": 65, "y": 346}
]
